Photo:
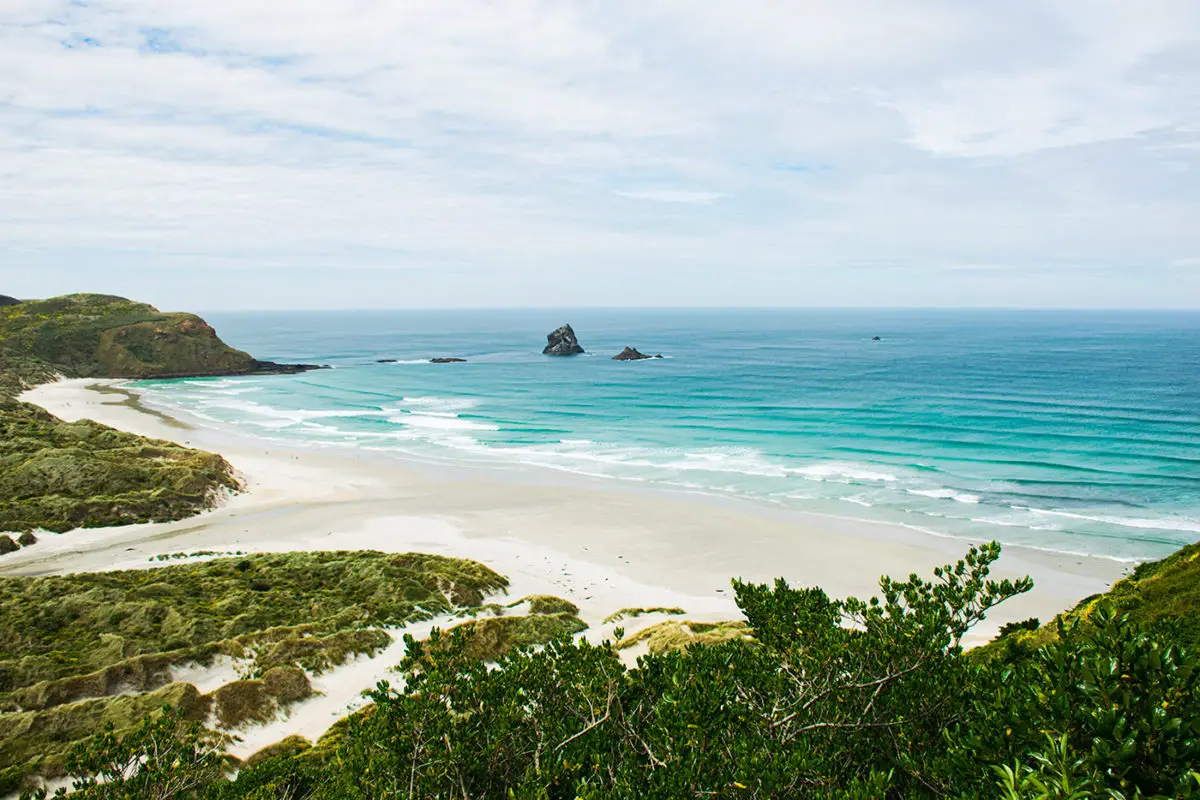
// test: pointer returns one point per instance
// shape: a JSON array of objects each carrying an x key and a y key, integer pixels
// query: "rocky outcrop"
[
  {"x": 447, "y": 361},
  {"x": 562, "y": 342},
  {"x": 272, "y": 368},
  {"x": 5, "y": 300},
  {"x": 7, "y": 545},
  {"x": 632, "y": 354}
]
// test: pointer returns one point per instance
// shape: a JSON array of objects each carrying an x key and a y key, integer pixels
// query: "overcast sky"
[{"x": 213, "y": 154}]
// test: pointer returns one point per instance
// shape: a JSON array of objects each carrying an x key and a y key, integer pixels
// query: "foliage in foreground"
[{"x": 846, "y": 699}]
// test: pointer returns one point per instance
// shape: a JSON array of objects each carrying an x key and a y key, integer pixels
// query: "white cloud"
[
  {"x": 674, "y": 196},
  {"x": 807, "y": 151}
]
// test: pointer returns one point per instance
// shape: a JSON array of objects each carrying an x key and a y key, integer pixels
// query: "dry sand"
[{"x": 602, "y": 546}]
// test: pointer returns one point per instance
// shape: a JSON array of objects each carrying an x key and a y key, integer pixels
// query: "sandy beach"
[{"x": 603, "y": 547}]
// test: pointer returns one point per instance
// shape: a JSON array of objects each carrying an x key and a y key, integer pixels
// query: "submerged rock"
[
  {"x": 447, "y": 360},
  {"x": 386, "y": 361},
  {"x": 632, "y": 354},
  {"x": 562, "y": 342}
]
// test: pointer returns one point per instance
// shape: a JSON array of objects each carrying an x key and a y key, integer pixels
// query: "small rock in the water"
[
  {"x": 877, "y": 339},
  {"x": 562, "y": 342},
  {"x": 447, "y": 360},
  {"x": 386, "y": 361},
  {"x": 632, "y": 354},
  {"x": 7, "y": 545}
]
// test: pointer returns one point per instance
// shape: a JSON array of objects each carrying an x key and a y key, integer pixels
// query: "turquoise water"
[{"x": 1072, "y": 431}]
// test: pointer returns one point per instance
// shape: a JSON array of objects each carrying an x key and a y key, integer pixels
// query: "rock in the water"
[
  {"x": 562, "y": 342},
  {"x": 632, "y": 354},
  {"x": 272, "y": 368},
  {"x": 5, "y": 300},
  {"x": 386, "y": 361},
  {"x": 876, "y": 339},
  {"x": 7, "y": 545},
  {"x": 447, "y": 360},
  {"x": 27, "y": 538}
]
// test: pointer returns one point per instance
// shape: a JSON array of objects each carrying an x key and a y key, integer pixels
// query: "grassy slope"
[
  {"x": 90, "y": 336},
  {"x": 69, "y": 644},
  {"x": 1163, "y": 593},
  {"x": 59, "y": 476}
]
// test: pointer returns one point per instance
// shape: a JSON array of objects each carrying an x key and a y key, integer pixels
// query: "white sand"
[{"x": 604, "y": 548}]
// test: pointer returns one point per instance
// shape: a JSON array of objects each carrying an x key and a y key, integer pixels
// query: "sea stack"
[
  {"x": 632, "y": 354},
  {"x": 562, "y": 342}
]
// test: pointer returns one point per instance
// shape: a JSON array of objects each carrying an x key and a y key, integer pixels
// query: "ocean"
[{"x": 1068, "y": 431}]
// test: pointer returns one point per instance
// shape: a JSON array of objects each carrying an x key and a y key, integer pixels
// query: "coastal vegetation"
[
  {"x": 101, "y": 336},
  {"x": 80, "y": 651},
  {"x": 56, "y": 475},
  {"x": 818, "y": 697}
]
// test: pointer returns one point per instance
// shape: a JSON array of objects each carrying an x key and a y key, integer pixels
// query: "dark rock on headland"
[
  {"x": 632, "y": 354},
  {"x": 562, "y": 342},
  {"x": 447, "y": 360},
  {"x": 5, "y": 300},
  {"x": 272, "y": 368}
]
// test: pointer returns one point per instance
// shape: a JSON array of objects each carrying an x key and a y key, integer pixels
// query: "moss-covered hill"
[
  {"x": 79, "y": 650},
  {"x": 89, "y": 335},
  {"x": 58, "y": 476},
  {"x": 92, "y": 335}
]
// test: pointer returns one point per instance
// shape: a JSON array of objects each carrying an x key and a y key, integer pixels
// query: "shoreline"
[{"x": 603, "y": 547}]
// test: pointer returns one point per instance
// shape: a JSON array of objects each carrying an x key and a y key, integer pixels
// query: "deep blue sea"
[{"x": 1072, "y": 431}]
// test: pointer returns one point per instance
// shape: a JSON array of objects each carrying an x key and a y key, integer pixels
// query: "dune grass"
[{"x": 679, "y": 635}]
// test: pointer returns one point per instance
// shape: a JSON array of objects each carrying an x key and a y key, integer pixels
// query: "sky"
[{"x": 242, "y": 154}]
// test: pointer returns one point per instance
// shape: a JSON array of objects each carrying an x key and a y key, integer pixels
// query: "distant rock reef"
[
  {"x": 562, "y": 342},
  {"x": 632, "y": 354}
]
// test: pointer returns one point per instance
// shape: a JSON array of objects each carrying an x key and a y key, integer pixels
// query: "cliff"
[{"x": 102, "y": 336}]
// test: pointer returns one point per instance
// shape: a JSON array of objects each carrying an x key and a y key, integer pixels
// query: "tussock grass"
[
  {"x": 492, "y": 637},
  {"x": 637, "y": 612},
  {"x": 70, "y": 644},
  {"x": 679, "y": 635},
  {"x": 546, "y": 604}
]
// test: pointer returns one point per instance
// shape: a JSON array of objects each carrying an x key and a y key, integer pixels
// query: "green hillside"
[
  {"x": 56, "y": 475},
  {"x": 91, "y": 335}
]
